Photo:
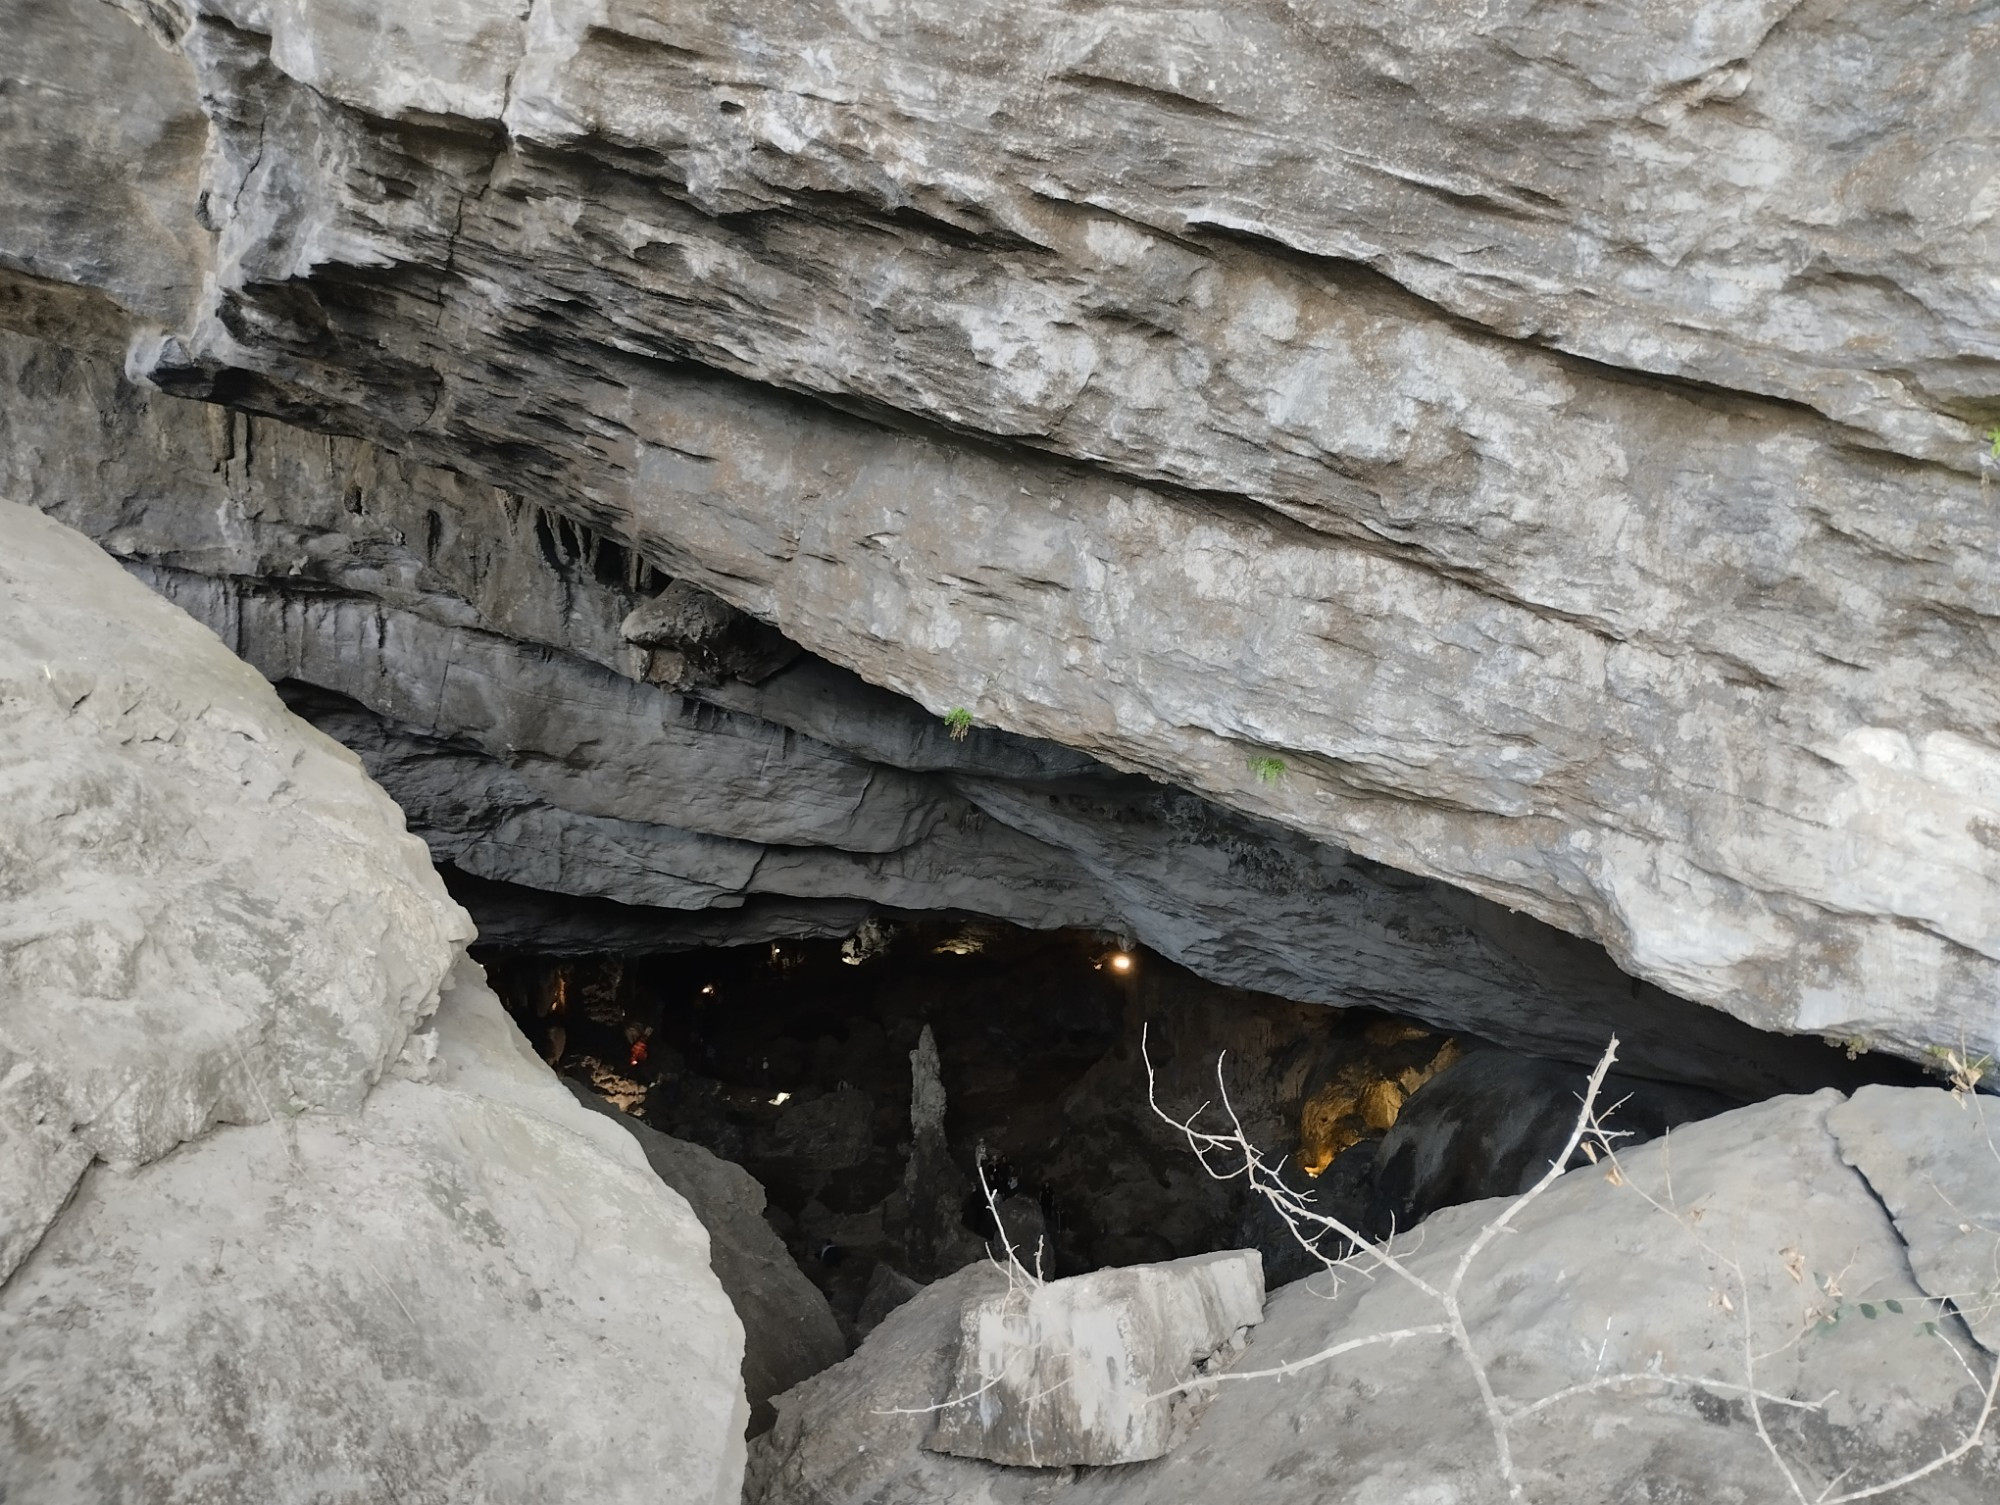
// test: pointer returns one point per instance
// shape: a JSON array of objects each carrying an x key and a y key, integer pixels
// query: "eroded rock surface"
[
  {"x": 1554, "y": 438},
  {"x": 471, "y": 1288},
  {"x": 1763, "y": 1240},
  {"x": 470, "y": 646},
  {"x": 1931, "y": 1157},
  {"x": 273, "y": 1228},
  {"x": 1053, "y": 1374},
  {"x": 165, "y": 962}
]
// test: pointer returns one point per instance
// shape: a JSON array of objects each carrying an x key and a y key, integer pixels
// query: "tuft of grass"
[
  {"x": 1268, "y": 770},
  {"x": 1993, "y": 438},
  {"x": 959, "y": 719}
]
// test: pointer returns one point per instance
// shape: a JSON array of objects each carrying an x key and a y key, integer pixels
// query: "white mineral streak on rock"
[{"x": 1081, "y": 1371}]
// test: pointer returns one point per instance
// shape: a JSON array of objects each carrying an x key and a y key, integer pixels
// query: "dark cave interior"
[{"x": 795, "y": 1059}]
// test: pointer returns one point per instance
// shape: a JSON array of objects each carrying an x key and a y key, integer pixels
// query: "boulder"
[
  {"x": 1625, "y": 1324},
  {"x": 208, "y": 914},
  {"x": 855, "y": 1433},
  {"x": 1084, "y": 1370},
  {"x": 262, "y": 1238},
  {"x": 468, "y": 1289},
  {"x": 789, "y": 1331}
]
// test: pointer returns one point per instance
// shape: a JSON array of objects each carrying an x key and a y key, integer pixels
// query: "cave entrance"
[{"x": 819, "y": 1065}]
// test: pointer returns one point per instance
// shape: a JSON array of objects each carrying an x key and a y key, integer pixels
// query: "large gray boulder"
[
  {"x": 470, "y": 1289},
  {"x": 1621, "y": 1339},
  {"x": 264, "y": 1236},
  {"x": 208, "y": 914}
]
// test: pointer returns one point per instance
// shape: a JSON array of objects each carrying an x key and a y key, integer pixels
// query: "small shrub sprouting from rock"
[
  {"x": 959, "y": 719},
  {"x": 1268, "y": 770}
]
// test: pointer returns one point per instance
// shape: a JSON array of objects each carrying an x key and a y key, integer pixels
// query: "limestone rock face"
[
  {"x": 470, "y": 1289},
  {"x": 469, "y": 645},
  {"x": 208, "y": 914},
  {"x": 1082, "y": 1371},
  {"x": 1539, "y": 451},
  {"x": 1763, "y": 1241}
]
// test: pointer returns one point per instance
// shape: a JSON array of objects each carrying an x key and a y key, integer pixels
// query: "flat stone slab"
[{"x": 1078, "y": 1371}]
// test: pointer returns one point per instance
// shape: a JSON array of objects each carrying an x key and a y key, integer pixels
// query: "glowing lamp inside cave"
[{"x": 1121, "y": 962}]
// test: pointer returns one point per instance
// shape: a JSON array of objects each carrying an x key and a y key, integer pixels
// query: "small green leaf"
[
  {"x": 1868, "y": 1310},
  {"x": 1894, "y": 1306},
  {"x": 1930, "y": 1328}
]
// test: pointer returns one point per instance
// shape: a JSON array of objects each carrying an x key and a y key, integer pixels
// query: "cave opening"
[{"x": 809, "y": 1060}]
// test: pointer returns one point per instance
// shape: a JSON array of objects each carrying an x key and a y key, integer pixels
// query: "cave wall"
[
  {"x": 467, "y": 645},
  {"x": 1554, "y": 437}
]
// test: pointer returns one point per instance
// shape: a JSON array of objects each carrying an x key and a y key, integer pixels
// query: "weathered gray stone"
[
  {"x": 856, "y": 1432},
  {"x": 1083, "y": 1371},
  {"x": 1506, "y": 426},
  {"x": 471, "y": 1288},
  {"x": 789, "y": 1332},
  {"x": 1933, "y": 1160},
  {"x": 266, "y": 531},
  {"x": 1588, "y": 1296},
  {"x": 165, "y": 963}
]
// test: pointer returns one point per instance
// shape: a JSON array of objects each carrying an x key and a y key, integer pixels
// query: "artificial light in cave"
[{"x": 1121, "y": 962}]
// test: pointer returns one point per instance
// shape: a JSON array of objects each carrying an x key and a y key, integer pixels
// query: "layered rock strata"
[
  {"x": 471, "y": 647},
  {"x": 1540, "y": 453}
]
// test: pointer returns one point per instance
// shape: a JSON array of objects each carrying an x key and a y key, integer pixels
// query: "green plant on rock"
[
  {"x": 1993, "y": 438},
  {"x": 959, "y": 719},
  {"x": 1268, "y": 770}
]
